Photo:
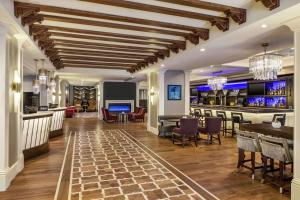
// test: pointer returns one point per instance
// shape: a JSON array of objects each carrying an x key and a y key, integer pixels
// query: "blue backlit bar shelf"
[{"x": 273, "y": 94}]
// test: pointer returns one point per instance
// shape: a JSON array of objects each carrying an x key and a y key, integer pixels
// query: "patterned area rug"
[{"x": 109, "y": 165}]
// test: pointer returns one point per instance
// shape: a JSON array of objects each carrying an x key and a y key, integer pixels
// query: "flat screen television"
[
  {"x": 194, "y": 92},
  {"x": 256, "y": 89},
  {"x": 174, "y": 92}
]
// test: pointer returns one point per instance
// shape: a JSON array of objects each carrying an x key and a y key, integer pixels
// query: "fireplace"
[{"x": 120, "y": 105}]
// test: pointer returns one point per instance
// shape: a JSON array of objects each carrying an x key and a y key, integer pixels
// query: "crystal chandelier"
[
  {"x": 36, "y": 81},
  {"x": 266, "y": 66},
  {"x": 217, "y": 83}
]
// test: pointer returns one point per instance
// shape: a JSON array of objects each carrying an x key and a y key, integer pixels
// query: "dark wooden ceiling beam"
[
  {"x": 271, "y": 4},
  {"x": 112, "y": 25},
  {"x": 25, "y": 11},
  {"x": 98, "y": 63},
  {"x": 87, "y": 58},
  {"x": 163, "y": 10},
  {"x": 31, "y": 19},
  {"x": 239, "y": 15},
  {"x": 102, "y": 49},
  {"x": 95, "y": 66},
  {"x": 110, "y": 34},
  {"x": 111, "y": 39},
  {"x": 103, "y": 45},
  {"x": 82, "y": 13},
  {"x": 100, "y": 53}
]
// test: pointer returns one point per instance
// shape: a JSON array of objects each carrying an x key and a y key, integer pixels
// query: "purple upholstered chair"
[
  {"x": 212, "y": 127},
  {"x": 187, "y": 132}
]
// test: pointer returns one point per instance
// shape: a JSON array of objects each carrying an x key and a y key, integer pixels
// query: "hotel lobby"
[{"x": 149, "y": 99}]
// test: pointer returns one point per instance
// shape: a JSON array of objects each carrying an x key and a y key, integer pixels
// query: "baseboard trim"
[
  {"x": 152, "y": 130},
  {"x": 7, "y": 175},
  {"x": 295, "y": 189}
]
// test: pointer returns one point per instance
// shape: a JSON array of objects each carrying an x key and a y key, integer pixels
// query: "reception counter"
[
  {"x": 38, "y": 128},
  {"x": 256, "y": 115},
  {"x": 57, "y": 122},
  {"x": 35, "y": 133}
]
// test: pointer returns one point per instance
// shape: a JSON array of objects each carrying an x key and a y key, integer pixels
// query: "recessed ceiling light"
[
  {"x": 162, "y": 65},
  {"x": 202, "y": 49},
  {"x": 264, "y": 25}
]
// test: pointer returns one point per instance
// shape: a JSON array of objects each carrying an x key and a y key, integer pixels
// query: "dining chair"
[
  {"x": 225, "y": 119},
  {"x": 237, "y": 118},
  {"x": 248, "y": 142},
  {"x": 212, "y": 127},
  {"x": 187, "y": 132},
  {"x": 277, "y": 117},
  {"x": 276, "y": 149}
]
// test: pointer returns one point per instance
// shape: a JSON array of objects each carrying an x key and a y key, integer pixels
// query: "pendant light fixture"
[
  {"x": 217, "y": 83},
  {"x": 36, "y": 81},
  {"x": 43, "y": 73},
  {"x": 265, "y": 66},
  {"x": 52, "y": 82}
]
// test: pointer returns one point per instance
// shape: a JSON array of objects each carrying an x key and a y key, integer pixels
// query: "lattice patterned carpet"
[{"x": 109, "y": 165}]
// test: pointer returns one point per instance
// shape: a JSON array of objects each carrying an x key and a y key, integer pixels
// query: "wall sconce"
[
  {"x": 152, "y": 93},
  {"x": 16, "y": 85}
]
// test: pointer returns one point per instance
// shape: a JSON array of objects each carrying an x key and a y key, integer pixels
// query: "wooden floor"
[{"x": 212, "y": 166}]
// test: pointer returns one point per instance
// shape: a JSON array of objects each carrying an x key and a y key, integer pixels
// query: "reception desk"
[
  {"x": 57, "y": 122},
  {"x": 35, "y": 133},
  {"x": 256, "y": 115},
  {"x": 38, "y": 128}
]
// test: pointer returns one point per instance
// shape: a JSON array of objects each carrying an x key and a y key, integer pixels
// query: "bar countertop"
[{"x": 243, "y": 109}]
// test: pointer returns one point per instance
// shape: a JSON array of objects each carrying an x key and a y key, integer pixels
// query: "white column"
[
  {"x": 187, "y": 75},
  {"x": 11, "y": 160},
  {"x": 19, "y": 100},
  {"x": 137, "y": 99},
  {"x": 161, "y": 92},
  {"x": 100, "y": 96},
  {"x": 295, "y": 26},
  {"x": 57, "y": 90},
  {"x": 4, "y": 139}
]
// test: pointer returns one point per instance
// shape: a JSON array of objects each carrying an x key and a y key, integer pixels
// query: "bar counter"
[
  {"x": 256, "y": 115},
  {"x": 57, "y": 121},
  {"x": 38, "y": 128},
  {"x": 35, "y": 133}
]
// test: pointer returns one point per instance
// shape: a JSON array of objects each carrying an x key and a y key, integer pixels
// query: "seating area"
[{"x": 150, "y": 100}]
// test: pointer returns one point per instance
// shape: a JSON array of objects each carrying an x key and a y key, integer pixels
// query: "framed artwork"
[{"x": 174, "y": 92}]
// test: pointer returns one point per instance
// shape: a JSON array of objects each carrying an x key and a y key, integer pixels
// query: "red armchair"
[
  {"x": 136, "y": 111},
  {"x": 70, "y": 112},
  {"x": 140, "y": 115},
  {"x": 108, "y": 117}
]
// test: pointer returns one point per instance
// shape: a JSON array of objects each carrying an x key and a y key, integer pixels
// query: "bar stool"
[
  {"x": 277, "y": 117},
  {"x": 237, "y": 118},
  {"x": 197, "y": 113},
  {"x": 208, "y": 113},
  {"x": 223, "y": 115},
  {"x": 248, "y": 141},
  {"x": 276, "y": 149}
]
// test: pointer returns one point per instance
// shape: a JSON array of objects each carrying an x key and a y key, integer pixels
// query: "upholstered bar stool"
[
  {"x": 208, "y": 113},
  {"x": 237, "y": 118},
  {"x": 276, "y": 149},
  {"x": 248, "y": 142},
  {"x": 223, "y": 115},
  {"x": 277, "y": 117}
]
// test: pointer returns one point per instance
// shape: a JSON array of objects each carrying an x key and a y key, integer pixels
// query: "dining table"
[{"x": 286, "y": 132}]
